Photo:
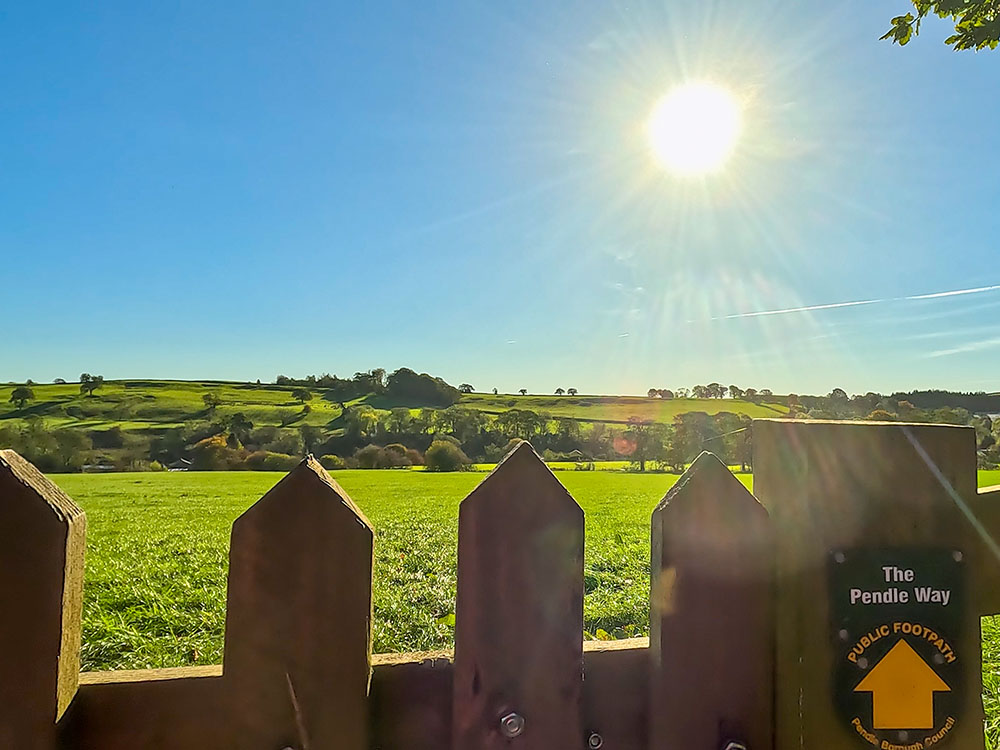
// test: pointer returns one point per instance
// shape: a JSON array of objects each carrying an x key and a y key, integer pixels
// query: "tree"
[
  {"x": 398, "y": 420},
  {"x": 90, "y": 383},
  {"x": 465, "y": 388},
  {"x": 302, "y": 394},
  {"x": 404, "y": 385},
  {"x": 735, "y": 392},
  {"x": 445, "y": 456},
  {"x": 700, "y": 391},
  {"x": 652, "y": 393},
  {"x": 520, "y": 423},
  {"x": 21, "y": 396},
  {"x": 239, "y": 426},
  {"x": 523, "y": 391},
  {"x": 571, "y": 391},
  {"x": 361, "y": 420},
  {"x": 560, "y": 391},
  {"x": 211, "y": 400},
  {"x": 71, "y": 445},
  {"x": 59, "y": 381},
  {"x": 647, "y": 438},
  {"x": 494, "y": 391},
  {"x": 977, "y": 23},
  {"x": 312, "y": 437},
  {"x": 666, "y": 393},
  {"x": 750, "y": 394}
]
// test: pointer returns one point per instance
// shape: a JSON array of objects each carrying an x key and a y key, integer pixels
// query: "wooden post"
[
  {"x": 298, "y": 624},
  {"x": 519, "y": 613},
  {"x": 42, "y": 537},
  {"x": 838, "y": 491},
  {"x": 711, "y": 614},
  {"x": 984, "y": 510}
]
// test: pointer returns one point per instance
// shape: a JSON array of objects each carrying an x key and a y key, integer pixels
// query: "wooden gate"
[{"x": 736, "y": 658}]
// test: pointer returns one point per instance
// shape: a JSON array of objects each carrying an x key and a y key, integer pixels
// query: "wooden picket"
[
  {"x": 298, "y": 627},
  {"x": 41, "y": 594},
  {"x": 519, "y": 611},
  {"x": 984, "y": 510},
  {"x": 736, "y": 656},
  {"x": 711, "y": 614}
]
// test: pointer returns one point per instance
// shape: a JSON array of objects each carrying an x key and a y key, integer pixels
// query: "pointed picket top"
[
  {"x": 42, "y": 540},
  {"x": 519, "y": 611},
  {"x": 521, "y": 465},
  {"x": 706, "y": 468},
  {"x": 710, "y": 613},
  {"x": 308, "y": 470},
  {"x": 298, "y": 621}
]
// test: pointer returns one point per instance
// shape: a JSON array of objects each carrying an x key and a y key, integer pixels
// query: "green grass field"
[
  {"x": 157, "y": 556},
  {"x": 617, "y": 408},
  {"x": 138, "y": 405}
]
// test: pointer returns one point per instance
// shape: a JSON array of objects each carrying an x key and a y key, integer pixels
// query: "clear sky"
[{"x": 196, "y": 190}]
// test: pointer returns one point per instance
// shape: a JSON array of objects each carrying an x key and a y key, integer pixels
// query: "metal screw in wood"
[
  {"x": 512, "y": 725},
  {"x": 595, "y": 742}
]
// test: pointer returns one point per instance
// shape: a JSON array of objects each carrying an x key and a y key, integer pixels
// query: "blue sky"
[{"x": 196, "y": 190}]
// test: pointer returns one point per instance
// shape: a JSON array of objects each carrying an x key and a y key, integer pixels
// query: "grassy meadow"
[
  {"x": 157, "y": 556},
  {"x": 617, "y": 408}
]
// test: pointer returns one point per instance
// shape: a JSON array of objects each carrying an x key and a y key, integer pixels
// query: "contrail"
[
  {"x": 787, "y": 310},
  {"x": 976, "y": 290},
  {"x": 856, "y": 303}
]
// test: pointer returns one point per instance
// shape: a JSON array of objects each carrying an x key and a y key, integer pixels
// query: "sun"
[{"x": 694, "y": 128}]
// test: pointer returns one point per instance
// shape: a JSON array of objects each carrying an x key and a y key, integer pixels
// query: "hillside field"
[{"x": 150, "y": 405}]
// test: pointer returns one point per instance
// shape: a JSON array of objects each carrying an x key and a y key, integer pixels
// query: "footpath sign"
[
  {"x": 896, "y": 615},
  {"x": 882, "y": 575}
]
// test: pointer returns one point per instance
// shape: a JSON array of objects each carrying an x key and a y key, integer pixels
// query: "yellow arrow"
[{"x": 902, "y": 687}]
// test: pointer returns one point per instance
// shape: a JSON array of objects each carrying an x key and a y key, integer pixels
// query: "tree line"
[{"x": 363, "y": 436}]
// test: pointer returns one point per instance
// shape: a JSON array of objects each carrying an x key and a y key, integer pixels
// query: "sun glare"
[{"x": 694, "y": 128}]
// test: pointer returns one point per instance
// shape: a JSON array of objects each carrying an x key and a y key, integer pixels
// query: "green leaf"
[{"x": 448, "y": 620}]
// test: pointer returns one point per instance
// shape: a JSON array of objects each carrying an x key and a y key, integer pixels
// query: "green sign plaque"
[{"x": 896, "y": 615}]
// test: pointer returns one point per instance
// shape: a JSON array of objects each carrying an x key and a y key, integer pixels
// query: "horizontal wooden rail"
[{"x": 410, "y": 703}]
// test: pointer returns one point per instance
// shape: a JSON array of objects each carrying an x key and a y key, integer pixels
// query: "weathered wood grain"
[
  {"x": 298, "y": 624},
  {"x": 711, "y": 614},
  {"x": 42, "y": 538},
  {"x": 183, "y": 708},
  {"x": 844, "y": 485},
  {"x": 519, "y": 611}
]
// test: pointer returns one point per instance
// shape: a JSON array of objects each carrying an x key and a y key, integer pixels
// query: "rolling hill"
[{"x": 154, "y": 405}]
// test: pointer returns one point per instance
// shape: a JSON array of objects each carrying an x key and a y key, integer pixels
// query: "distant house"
[{"x": 181, "y": 464}]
